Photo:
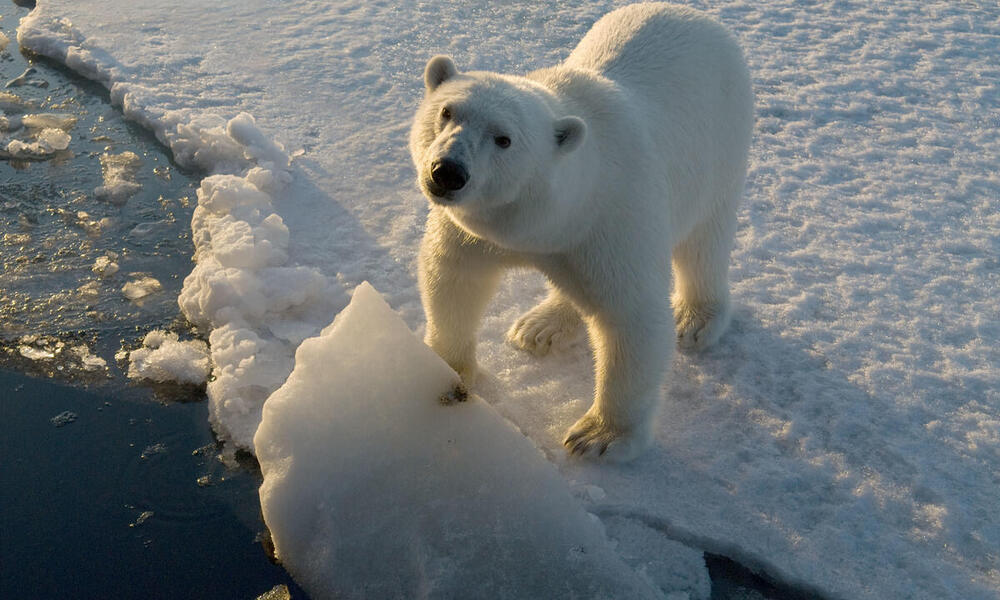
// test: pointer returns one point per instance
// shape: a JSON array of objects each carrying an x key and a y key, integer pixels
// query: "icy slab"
[
  {"x": 278, "y": 592},
  {"x": 119, "y": 171},
  {"x": 64, "y": 418},
  {"x": 12, "y": 103},
  {"x": 163, "y": 357},
  {"x": 61, "y": 121},
  {"x": 138, "y": 289},
  {"x": 88, "y": 360},
  {"x": 105, "y": 266},
  {"x": 373, "y": 487},
  {"x": 32, "y": 353},
  {"x": 46, "y": 143}
]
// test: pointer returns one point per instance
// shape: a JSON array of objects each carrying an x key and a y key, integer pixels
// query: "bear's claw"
[
  {"x": 593, "y": 436},
  {"x": 699, "y": 326}
]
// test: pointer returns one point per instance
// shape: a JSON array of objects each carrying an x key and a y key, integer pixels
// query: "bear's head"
[{"x": 481, "y": 140}]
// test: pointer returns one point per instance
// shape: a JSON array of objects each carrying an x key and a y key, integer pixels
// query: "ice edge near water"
[{"x": 256, "y": 307}]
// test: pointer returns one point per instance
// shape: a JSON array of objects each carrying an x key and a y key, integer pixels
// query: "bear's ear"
[
  {"x": 438, "y": 70},
  {"x": 570, "y": 133}
]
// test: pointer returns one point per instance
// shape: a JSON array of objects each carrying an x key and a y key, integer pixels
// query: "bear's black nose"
[{"x": 448, "y": 174}]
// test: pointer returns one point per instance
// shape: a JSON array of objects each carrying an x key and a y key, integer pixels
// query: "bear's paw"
[
  {"x": 546, "y": 326},
  {"x": 594, "y": 437},
  {"x": 699, "y": 325}
]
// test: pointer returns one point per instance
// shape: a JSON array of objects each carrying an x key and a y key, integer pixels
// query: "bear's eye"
[
  {"x": 502, "y": 141},
  {"x": 445, "y": 114}
]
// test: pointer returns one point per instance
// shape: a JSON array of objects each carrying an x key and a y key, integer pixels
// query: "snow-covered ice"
[
  {"x": 842, "y": 436},
  {"x": 375, "y": 488}
]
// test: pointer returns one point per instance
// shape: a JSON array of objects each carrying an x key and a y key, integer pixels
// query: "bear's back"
[{"x": 660, "y": 49}]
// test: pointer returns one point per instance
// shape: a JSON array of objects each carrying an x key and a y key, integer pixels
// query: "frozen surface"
[
  {"x": 843, "y": 436},
  {"x": 376, "y": 488}
]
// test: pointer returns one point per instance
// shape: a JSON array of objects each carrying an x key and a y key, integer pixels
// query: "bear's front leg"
[
  {"x": 632, "y": 353},
  {"x": 458, "y": 275}
]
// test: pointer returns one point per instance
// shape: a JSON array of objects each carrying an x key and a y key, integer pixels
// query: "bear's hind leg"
[
  {"x": 555, "y": 321},
  {"x": 701, "y": 283}
]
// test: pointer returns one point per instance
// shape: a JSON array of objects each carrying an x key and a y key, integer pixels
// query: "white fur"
[{"x": 631, "y": 151}]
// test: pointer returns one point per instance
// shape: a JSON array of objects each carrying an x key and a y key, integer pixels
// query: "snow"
[
  {"x": 164, "y": 357},
  {"x": 257, "y": 307},
  {"x": 842, "y": 437},
  {"x": 375, "y": 487}
]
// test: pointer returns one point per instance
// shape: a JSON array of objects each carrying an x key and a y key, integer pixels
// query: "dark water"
[
  {"x": 109, "y": 488},
  {"x": 127, "y": 500}
]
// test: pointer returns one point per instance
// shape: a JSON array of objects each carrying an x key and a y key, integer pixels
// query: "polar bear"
[{"x": 599, "y": 172}]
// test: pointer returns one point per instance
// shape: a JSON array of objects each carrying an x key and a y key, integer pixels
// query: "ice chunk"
[
  {"x": 119, "y": 172},
  {"x": 163, "y": 357},
  {"x": 89, "y": 362},
  {"x": 374, "y": 488},
  {"x": 4, "y": 40},
  {"x": 47, "y": 142},
  {"x": 12, "y": 103},
  {"x": 61, "y": 121},
  {"x": 278, "y": 592},
  {"x": 144, "y": 230},
  {"x": 32, "y": 353},
  {"x": 143, "y": 517},
  {"x": 153, "y": 450},
  {"x": 22, "y": 79},
  {"x": 105, "y": 266},
  {"x": 140, "y": 288},
  {"x": 63, "y": 418},
  {"x": 10, "y": 123},
  {"x": 56, "y": 139}
]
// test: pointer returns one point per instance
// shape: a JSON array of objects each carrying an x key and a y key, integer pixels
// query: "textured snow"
[
  {"x": 375, "y": 488},
  {"x": 843, "y": 436}
]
